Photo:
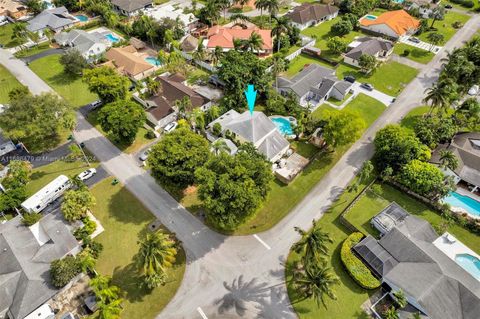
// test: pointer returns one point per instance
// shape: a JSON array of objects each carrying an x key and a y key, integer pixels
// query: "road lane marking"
[
  {"x": 262, "y": 242},
  {"x": 200, "y": 311}
]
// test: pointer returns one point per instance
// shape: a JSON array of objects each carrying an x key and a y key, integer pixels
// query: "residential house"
[
  {"x": 25, "y": 257},
  {"x": 392, "y": 24},
  {"x": 161, "y": 108},
  {"x": 311, "y": 14},
  {"x": 56, "y": 19},
  {"x": 466, "y": 148},
  {"x": 379, "y": 48},
  {"x": 424, "y": 7},
  {"x": 13, "y": 9},
  {"x": 91, "y": 45},
  {"x": 130, "y": 62},
  {"x": 130, "y": 7},
  {"x": 313, "y": 85},
  {"x": 224, "y": 36},
  {"x": 189, "y": 44},
  {"x": 411, "y": 257},
  {"x": 163, "y": 12},
  {"x": 256, "y": 128}
]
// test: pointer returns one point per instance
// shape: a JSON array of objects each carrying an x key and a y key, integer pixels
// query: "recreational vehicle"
[{"x": 47, "y": 194}]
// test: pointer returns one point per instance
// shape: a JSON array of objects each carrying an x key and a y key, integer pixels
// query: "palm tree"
[
  {"x": 435, "y": 39},
  {"x": 390, "y": 313},
  {"x": 109, "y": 310},
  {"x": 183, "y": 106},
  {"x": 437, "y": 96},
  {"x": 198, "y": 117},
  {"x": 315, "y": 282},
  {"x": 216, "y": 55},
  {"x": 279, "y": 66},
  {"x": 152, "y": 85},
  {"x": 103, "y": 290},
  {"x": 261, "y": 4},
  {"x": 448, "y": 160},
  {"x": 157, "y": 253},
  {"x": 313, "y": 244},
  {"x": 254, "y": 42},
  {"x": 238, "y": 44},
  {"x": 282, "y": 26},
  {"x": 199, "y": 54},
  {"x": 224, "y": 5},
  {"x": 19, "y": 33},
  {"x": 437, "y": 14},
  {"x": 272, "y": 6},
  {"x": 400, "y": 298},
  {"x": 220, "y": 146},
  {"x": 87, "y": 262}
]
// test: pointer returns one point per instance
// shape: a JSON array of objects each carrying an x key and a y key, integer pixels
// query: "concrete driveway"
[
  {"x": 421, "y": 45},
  {"x": 377, "y": 95}
]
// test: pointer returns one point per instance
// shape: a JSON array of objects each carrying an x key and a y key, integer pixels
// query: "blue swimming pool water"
[
  {"x": 399, "y": 1},
  {"x": 153, "y": 61},
  {"x": 283, "y": 125},
  {"x": 110, "y": 37},
  {"x": 469, "y": 263},
  {"x": 370, "y": 17},
  {"x": 82, "y": 18},
  {"x": 465, "y": 202}
]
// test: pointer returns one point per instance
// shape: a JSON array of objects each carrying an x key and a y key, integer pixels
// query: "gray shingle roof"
[
  {"x": 81, "y": 40},
  {"x": 131, "y": 5},
  {"x": 308, "y": 12},
  {"x": 25, "y": 264},
  {"x": 370, "y": 46},
  {"x": 310, "y": 76},
  {"x": 53, "y": 18}
]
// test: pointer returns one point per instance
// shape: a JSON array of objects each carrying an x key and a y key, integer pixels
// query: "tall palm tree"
[
  {"x": 19, "y": 33},
  {"x": 216, "y": 55},
  {"x": 152, "y": 85},
  {"x": 224, "y": 5},
  {"x": 279, "y": 66},
  {"x": 157, "y": 252},
  {"x": 315, "y": 282},
  {"x": 281, "y": 27},
  {"x": 183, "y": 106},
  {"x": 220, "y": 146},
  {"x": 313, "y": 244},
  {"x": 261, "y": 4},
  {"x": 254, "y": 42},
  {"x": 437, "y": 96},
  {"x": 448, "y": 159},
  {"x": 272, "y": 6}
]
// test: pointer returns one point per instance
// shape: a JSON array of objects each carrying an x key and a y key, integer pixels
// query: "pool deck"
[
  {"x": 452, "y": 247},
  {"x": 464, "y": 192}
]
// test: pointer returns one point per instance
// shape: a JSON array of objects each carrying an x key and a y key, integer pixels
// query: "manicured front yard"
[
  {"x": 7, "y": 83},
  {"x": 33, "y": 50},
  {"x": 282, "y": 199},
  {"x": 416, "y": 54},
  {"x": 445, "y": 26},
  {"x": 390, "y": 78},
  {"x": 350, "y": 296},
  {"x": 374, "y": 201},
  {"x": 140, "y": 140},
  {"x": 71, "y": 88},
  {"x": 125, "y": 221},
  {"x": 297, "y": 64},
  {"x": 6, "y": 32}
]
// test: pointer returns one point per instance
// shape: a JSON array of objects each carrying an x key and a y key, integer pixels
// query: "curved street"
[{"x": 232, "y": 277}]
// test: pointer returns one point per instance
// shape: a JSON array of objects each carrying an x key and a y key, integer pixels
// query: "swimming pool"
[
  {"x": 110, "y": 37},
  {"x": 469, "y": 263},
  {"x": 153, "y": 61},
  {"x": 399, "y": 1},
  {"x": 283, "y": 125},
  {"x": 82, "y": 18},
  {"x": 370, "y": 17},
  {"x": 454, "y": 199}
]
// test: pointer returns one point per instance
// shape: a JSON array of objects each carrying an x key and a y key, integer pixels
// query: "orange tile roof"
[
  {"x": 224, "y": 36},
  {"x": 399, "y": 21},
  {"x": 127, "y": 59}
]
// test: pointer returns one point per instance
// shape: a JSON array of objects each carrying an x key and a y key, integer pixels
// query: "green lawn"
[
  {"x": 416, "y": 54},
  {"x": 125, "y": 221},
  {"x": 138, "y": 143},
  {"x": 33, "y": 50},
  {"x": 71, "y": 88},
  {"x": 445, "y": 26},
  {"x": 411, "y": 118},
  {"x": 390, "y": 78},
  {"x": 350, "y": 296},
  {"x": 297, "y": 64},
  {"x": 282, "y": 199},
  {"x": 6, "y": 36},
  {"x": 7, "y": 83},
  {"x": 337, "y": 102},
  {"x": 372, "y": 203}
]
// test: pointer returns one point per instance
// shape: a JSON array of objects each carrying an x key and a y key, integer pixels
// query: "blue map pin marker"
[{"x": 251, "y": 95}]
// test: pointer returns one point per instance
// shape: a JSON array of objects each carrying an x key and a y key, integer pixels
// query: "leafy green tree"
[
  {"x": 86, "y": 260},
  {"x": 19, "y": 173},
  {"x": 73, "y": 62},
  {"x": 63, "y": 270},
  {"x": 38, "y": 121},
  {"x": 220, "y": 146},
  {"x": 313, "y": 245},
  {"x": 432, "y": 130},
  {"x": 341, "y": 28},
  {"x": 423, "y": 178},
  {"x": 232, "y": 187},
  {"x": 157, "y": 254},
  {"x": 177, "y": 155},
  {"x": 76, "y": 203},
  {"x": 468, "y": 114},
  {"x": 107, "y": 84},
  {"x": 122, "y": 119},
  {"x": 395, "y": 146},
  {"x": 36, "y": 6},
  {"x": 342, "y": 128},
  {"x": 28, "y": 219},
  {"x": 367, "y": 63},
  {"x": 315, "y": 283},
  {"x": 18, "y": 93},
  {"x": 336, "y": 45},
  {"x": 109, "y": 303}
]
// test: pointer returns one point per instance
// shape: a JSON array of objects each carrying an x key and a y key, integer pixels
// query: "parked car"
[
  {"x": 414, "y": 40},
  {"x": 367, "y": 86},
  {"x": 95, "y": 104},
  {"x": 474, "y": 90},
  {"x": 349, "y": 78},
  {"x": 448, "y": 6},
  {"x": 170, "y": 127},
  {"x": 143, "y": 157},
  {"x": 83, "y": 176}
]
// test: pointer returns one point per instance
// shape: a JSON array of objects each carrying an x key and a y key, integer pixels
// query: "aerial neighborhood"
[{"x": 272, "y": 159}]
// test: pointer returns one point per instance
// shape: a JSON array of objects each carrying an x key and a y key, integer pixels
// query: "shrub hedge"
[{"x": 355, "y": 267}]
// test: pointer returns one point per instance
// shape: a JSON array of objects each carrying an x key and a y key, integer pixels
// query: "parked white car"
[
  {"x": 143, "y": 157},
  {"x": 474, "y": 90},
  {"x": 83, "y": 176},
  {"x": 170, "y": 127}
]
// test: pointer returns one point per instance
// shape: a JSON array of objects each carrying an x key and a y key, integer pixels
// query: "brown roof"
[
  {"x": 189, "y": 44},
  {"x": 173, "y": 89},
  {"x": 161, "y": 109},
  {"x": 309, "y": 12},
  {"x": 128, "y": 60},
  {"x": 137, "y": 43}
]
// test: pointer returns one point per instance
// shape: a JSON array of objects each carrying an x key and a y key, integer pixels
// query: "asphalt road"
[{"x": 243, "y": 277}]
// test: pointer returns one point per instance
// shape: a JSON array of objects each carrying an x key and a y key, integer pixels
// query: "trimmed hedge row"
[{"x": 355, "y": 267}]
